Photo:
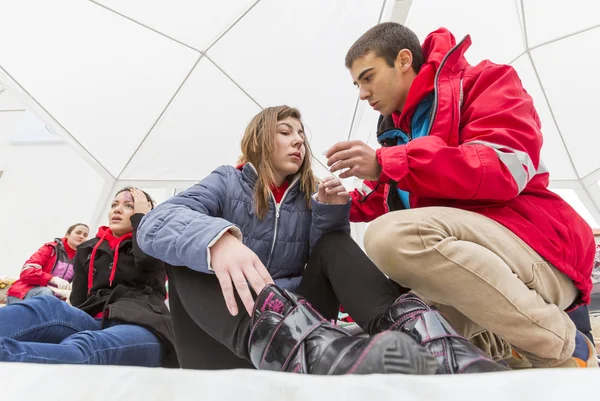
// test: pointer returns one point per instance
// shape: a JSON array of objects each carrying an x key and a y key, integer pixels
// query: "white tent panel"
[
  {"x": 200, "y": 129},
  {"x": 494, "y": 26},
  {"x": 282, "y": 53},
  {"x": 9, "y": 101},
  {"x": 44, "y": 189},
  {"x": 565, "y": 68},
  {"x": 550, "y": 19},
  {"x": 195, "y": 23},
  {"x": 571, "y": 197},
  {"x": 103, "y": 78},
  {"x": 554, "y": 153},
  {"x": 365, "y": 124},
  {"x": 9, "y": 121},
  {"x": 32, "y": 129}
]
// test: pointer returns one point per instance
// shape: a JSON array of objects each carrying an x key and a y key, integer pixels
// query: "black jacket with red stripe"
[{"x": 137, "y": 295}]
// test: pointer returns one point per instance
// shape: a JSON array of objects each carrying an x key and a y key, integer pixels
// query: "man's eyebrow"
[{"x": 362, "y": 74}]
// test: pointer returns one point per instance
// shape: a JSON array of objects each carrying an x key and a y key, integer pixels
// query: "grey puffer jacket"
[{"x": 181, "y": 230}]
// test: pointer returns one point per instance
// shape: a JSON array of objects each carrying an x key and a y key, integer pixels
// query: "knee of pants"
[
  {"x": 50, "y": 305},
  {"x": 332, "y": 240},
  {"x": 85, "y": 347},
  {"x": 39, "y": 291},
  {"x": 386, "y": 244}
]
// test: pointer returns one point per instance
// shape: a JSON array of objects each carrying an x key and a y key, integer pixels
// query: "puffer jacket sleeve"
[
  {"x": 181, "y": 230},
  {"x": 327, "y": 218}
]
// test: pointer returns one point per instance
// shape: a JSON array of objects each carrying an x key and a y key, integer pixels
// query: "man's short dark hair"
[{"x": 386, "y": 40}]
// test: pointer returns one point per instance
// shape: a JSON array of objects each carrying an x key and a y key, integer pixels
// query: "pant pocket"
[
  {"x": 552, "y": 285},
  {"x": 529, "y": 276}
]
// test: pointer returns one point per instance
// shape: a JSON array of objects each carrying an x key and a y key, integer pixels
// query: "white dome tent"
[
  {"x": 157, "y": 94},
  {"x": 106, "y": 93}
]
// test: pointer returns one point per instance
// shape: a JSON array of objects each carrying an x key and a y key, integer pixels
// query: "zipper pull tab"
[{"x": 277, "y": 211}]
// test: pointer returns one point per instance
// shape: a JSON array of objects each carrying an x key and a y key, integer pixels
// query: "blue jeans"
[
  {"x": 47, "y": 330},
  {"x": 34, "y": 292}
]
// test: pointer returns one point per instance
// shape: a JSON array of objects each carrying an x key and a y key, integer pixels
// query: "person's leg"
[
  {"x": 338, "y": 268},
  {"x": 44, "y": 319},
  {"x": 468, "y": 261},
  {"x": 338, "y": 271},
  {"x": 121, "y": 344},
  {"x": 285, "y": 333},
  {"x": 39, "y": 292},
  {"x": 490, "y": 343},
  {"x": 196, "y": 349},
  {"x": 34, "y": 292},
  {"x": 198, "y": 307}
]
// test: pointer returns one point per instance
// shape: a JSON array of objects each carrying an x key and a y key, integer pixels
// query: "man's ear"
[{"x": 404, "y": 60}]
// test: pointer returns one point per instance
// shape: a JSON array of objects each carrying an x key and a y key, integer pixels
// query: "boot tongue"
[{"x": 274, "y": 302}]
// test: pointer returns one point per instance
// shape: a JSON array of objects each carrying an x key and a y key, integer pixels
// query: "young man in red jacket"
[{"x": 460, "y": 196}]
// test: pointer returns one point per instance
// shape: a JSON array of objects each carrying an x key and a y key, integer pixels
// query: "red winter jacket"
[
  {"x": 37, "y": 270},
  {"x": 482, "y": 154}
]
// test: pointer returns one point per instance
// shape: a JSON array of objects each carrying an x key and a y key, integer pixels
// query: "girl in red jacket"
[{"x": 49, "y": 266}]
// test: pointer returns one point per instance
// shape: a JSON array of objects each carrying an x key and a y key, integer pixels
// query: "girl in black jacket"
[{"x": 117, "y": 314}]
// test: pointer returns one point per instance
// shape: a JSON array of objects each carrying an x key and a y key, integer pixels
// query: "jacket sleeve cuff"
[
  {"x": 393, "y": 162},
  {"x": 136, "y": 219},
  {"x": 237, "y": 233},
  {"x": 45, "y": 278},
  {"x": 328, "y": 217}
]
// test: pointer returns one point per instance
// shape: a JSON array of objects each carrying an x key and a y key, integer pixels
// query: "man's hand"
[{"x": 356, "y": 156}]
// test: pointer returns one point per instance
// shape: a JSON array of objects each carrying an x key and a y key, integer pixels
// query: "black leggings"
[{"x": 338, "y": 271}]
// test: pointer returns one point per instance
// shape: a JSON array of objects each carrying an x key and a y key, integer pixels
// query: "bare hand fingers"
[
  {"x": 321, "y": 190},
  {"x": 351, "y": 172},
  {"x": 333, "y": 182},
  {"x": 263, "y": 272},
  {"x": 341, "y": 155},
  {"x": 336, "y": 190},
  {"x": 338, "y": 147},
  {"x": 242, "y": 288},
  {"x": 255, "y": 280},
  {"x": 227, "y": 290},
  {"x": 346, "y": 163},
  {"x": 138, "y": 196}
]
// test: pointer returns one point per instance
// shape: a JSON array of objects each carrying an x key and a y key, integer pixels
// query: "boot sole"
[{"x": 394, "y": 352}]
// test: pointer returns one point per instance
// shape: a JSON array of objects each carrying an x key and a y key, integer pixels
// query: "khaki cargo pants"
[{"x": 493, "y": 288}]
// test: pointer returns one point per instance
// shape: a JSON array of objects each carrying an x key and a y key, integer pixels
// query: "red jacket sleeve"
[
  {"x": 498, "y": 153},
  {"x": 367, "y": 202},
  {"x": 32, "y": 272}
]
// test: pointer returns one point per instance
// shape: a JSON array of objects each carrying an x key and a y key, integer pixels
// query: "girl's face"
[
  {"x": 289, "y": 151},
  {"x": 121, "y": 209},
  {"x": 77, "y": 236}
]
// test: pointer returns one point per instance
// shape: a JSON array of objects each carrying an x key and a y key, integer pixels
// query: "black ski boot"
[
  {"x": 426, "y": 325},
  {"x": 289, "y": 335}
]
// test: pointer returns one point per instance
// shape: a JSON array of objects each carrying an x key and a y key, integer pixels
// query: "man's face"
[{"x": 384, "y": 87}]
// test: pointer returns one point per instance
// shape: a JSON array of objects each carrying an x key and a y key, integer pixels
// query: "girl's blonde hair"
[{"x": 258, "y": 145}]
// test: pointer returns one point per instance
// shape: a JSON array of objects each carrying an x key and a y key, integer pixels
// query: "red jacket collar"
[
  {"x": 435, "y": 47},
  {"x": 70, "y": 251}
]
